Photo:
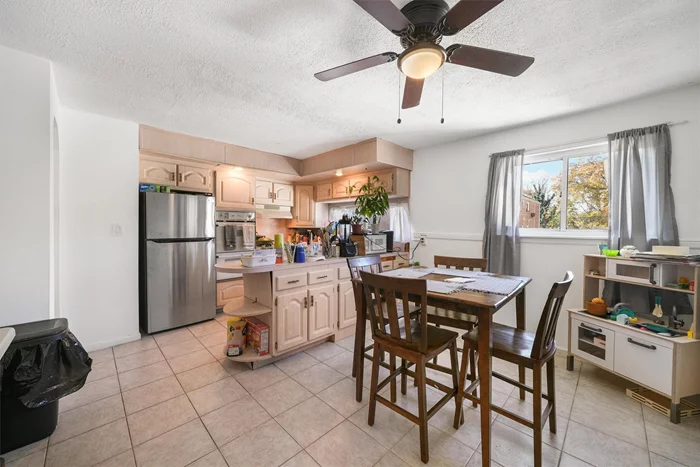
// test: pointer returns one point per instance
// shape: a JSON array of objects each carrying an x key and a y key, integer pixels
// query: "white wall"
[
  {"x": 98, "y": 188},
  {"x": 25, "y": 203},
  {"x": 448, "y": 190}
]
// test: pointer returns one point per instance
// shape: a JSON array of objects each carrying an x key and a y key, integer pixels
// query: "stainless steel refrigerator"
[{"x": 177, "y": 280}]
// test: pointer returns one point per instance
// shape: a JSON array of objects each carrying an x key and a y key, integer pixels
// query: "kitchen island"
[{"x": 304, "y": 304}]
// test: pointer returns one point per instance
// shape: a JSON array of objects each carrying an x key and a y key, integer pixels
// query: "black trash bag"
[{"x": 43, "y": 370}]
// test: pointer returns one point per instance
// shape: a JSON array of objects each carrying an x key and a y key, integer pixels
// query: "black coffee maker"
[{"x": 348, "y": 248}]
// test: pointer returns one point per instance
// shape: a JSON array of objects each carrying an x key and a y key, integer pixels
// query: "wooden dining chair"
[
  {"x": 533, "y": 351},
  {"x": 372, "y": 264},
  {"x": 456, "y": 319},
  {"x": 411, "y": 339}
]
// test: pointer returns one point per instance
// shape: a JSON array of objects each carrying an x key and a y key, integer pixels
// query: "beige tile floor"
[{"x": 172, "y": 400}]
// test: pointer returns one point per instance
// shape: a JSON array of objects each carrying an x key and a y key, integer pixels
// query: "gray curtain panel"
[
  {"x": 642, "y": 211},
  {"x": 501, "y": 236}
]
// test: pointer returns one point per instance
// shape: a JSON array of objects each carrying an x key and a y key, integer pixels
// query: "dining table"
[{"x": 481, "y": 303}]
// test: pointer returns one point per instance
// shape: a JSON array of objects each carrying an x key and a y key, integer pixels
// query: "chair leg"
[
  {"x": 461, "y": 386},
  {"x": 537, "y": 413},
  {"x": 551, "y": 392},
  {"x": 373, "y": 385},
  {"x": 472, "y": 375},
  {"x": 435, "y": 359},
  {"x": 422, "y": 410},
  {"x": 392, "y": 368},
  {"x": 404, "y": 377}
]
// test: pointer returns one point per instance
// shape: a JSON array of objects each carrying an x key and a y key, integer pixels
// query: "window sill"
[{"x": 544, "y": 235}]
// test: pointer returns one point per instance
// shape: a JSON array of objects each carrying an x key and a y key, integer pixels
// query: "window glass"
[
  {"x": 587, "y": 193},
  {"x": 541, "y": 193}
]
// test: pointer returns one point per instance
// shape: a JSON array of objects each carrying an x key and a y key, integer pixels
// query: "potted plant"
[
  {"x": 357, "y": 220},
  {"x": 373, "y": 202}
]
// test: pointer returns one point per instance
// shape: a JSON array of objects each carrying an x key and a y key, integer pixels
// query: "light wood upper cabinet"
[
  {"x": 324, "y": 191},
  {"x": 355, "y": 183},
  {"x": 347, "y": 315},
  {"x": 340, "y": 189},
  {"x": 322, "y": 311},
  {"x": 157, "y": 172},
  {"x": 284, "y": 194},
  {"x": 304, "y": 207},
  {"x": 197, "y": 178},
  {"x": 263, "y": 191},
  {"x": 234, "y": 190},
  {"x": 387, "y": 180},
  {"x": 292, "y": 320}
]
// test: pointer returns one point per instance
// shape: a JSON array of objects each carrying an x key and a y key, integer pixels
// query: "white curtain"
[{"x": 397, "y": 219}]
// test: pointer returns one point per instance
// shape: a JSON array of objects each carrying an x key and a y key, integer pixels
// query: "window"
[{"x": 566, "y": 190}]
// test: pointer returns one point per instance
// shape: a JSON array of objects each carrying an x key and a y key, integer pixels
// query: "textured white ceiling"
[{"x": 241, "y": 71}]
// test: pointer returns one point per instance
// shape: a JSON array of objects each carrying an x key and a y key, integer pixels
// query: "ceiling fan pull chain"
[
  {"x": 442, "y": 110},
  {"x": 398, "y": 120}
]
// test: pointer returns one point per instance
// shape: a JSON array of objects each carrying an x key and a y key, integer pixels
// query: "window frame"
[{"x": 564, "y": 153}]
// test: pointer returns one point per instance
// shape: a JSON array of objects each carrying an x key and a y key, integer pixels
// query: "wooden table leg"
[
  {"x": 520, "y": 324},
  {"x": 359, "y": 359},
  {"x": 484, "y": 349}
]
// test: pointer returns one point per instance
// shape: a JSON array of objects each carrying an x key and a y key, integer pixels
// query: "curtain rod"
[{"x": 582, "y": 144}]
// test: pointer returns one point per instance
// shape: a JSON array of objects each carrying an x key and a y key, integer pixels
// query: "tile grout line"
[{"x": 568, "y": 424}]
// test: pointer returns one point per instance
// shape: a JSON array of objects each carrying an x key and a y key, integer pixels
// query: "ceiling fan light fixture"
[{"x": 421, "y": 60}]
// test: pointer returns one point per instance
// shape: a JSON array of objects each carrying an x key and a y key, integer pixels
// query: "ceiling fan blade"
[
  {"x": 356, "y": 66},
  {"x": 463, "y": 14},
  {"x": 386, "y": 13},
  {"x": 489, "y": 60},
  {"x": 412, "y": 92}
]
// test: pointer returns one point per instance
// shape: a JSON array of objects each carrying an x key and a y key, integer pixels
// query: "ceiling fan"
[{"x": 421, "y": 24}]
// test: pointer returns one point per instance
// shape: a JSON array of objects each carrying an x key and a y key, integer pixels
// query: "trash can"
[{"x": 44, "y": 363}]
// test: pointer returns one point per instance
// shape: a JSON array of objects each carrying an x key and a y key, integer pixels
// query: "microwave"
[{"x": 370, "y": 244}]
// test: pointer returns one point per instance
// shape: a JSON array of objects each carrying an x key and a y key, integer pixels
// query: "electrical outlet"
[
  {"x": 116, "y": 230},
  {"x": 423, "y": 240}
]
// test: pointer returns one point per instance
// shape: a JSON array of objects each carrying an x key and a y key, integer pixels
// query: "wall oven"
[{"x": 235, "y": 235}]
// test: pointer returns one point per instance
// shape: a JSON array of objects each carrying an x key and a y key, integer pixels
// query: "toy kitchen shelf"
[{"x": 665, "y": 368}]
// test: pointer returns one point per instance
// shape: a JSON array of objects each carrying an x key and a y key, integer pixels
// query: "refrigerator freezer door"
[
  {"x": 173, "y": 215},
  {"x": 181, "y": 284}
]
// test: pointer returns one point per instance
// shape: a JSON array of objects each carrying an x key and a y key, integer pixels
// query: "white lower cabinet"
[
  {"x": 322, "y": 311},
  {"x": 644, "y": 360},
  {"x": 292, "y": 320},
  {"x": 347, "y": 315}
]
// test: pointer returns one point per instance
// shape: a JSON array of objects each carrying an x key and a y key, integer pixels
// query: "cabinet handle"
[
  {"x": 321, "y": 277},
  {"x": 252, "y": 200},
  {"x": 646, "y": 346},
  {"x": 591, "y": 328},
  {"x": 172, "y": 176},
  {"x": 293, "y": 282},
  {"x": 306, "y": 303},
  {"x": 312, "y": 300},
  {"x": 179, "y": 177},
  {"x": 652, "y": 267}
]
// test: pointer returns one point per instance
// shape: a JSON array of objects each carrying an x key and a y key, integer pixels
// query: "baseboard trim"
[{"x": 111, "y": 343}]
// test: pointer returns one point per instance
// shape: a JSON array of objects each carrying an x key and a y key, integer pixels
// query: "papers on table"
[
  {"x": 459, "y": 280},
  {"x": 408, "y": 273},
  {"x": 443, "y": 287}
]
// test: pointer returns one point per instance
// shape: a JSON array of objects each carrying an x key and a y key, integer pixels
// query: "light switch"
[{"x": 116, "y": 230}]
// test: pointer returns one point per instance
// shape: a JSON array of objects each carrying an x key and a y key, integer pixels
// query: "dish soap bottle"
[{"x": 658, "y": 312}]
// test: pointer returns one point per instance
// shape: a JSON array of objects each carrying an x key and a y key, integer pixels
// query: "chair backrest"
[
  {"x": 382, "y": 294},
  {"x": 460, "y": 263},
  {"x": 547, "y": 328},
  {"x": 371, "y": 264}
]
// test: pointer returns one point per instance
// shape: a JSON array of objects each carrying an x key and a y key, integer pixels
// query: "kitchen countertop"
[
  {"x": 238, "y": 268},
  {"x": 6, "y": 336}
]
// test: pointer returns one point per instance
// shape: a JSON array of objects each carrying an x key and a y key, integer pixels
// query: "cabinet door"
[
  {"x": 284, "y": 194},
  {"x": 228, "y": 290},
  {"x": 304, "y": 206},
  {"x": 322, "y": 311},
  {"x": 340, "y": 189},
  {"x": 324, "y": 191},
  {"x": 159, "y": 173},
  {"x": 355, "y": 183},
  {"x": 347, "y": 315},
  {"x": 263, "y": 191},
  {"x": 197, "y": 178},
  {"x": 387, "y": 180},
  {"x": 234, "y": 190},
  {"x": 292, "y": 320}
]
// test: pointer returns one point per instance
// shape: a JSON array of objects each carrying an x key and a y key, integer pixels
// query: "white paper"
[{"x": 460, "y": 280}]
